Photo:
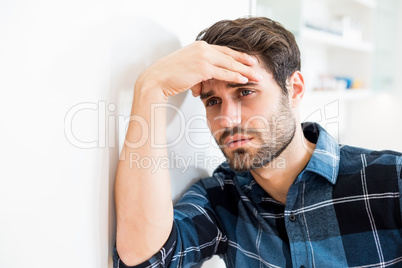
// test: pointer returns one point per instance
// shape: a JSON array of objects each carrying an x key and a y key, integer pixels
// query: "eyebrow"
[
  {"x": 235, "y": 85},
  {"x": 206, "y": 95}
]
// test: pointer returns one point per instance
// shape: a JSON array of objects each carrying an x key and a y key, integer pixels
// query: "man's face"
[{"x": 252, "y": 123}]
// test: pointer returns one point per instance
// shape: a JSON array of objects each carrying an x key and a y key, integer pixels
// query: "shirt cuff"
[{"x": 160, "y": 259}]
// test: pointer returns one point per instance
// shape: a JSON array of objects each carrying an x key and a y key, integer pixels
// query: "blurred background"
[
  {"x": 351, "y": 65},
  {"x": 67, "y": 71}
]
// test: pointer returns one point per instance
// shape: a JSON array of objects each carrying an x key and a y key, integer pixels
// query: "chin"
[{"x": 243, "y": 160}]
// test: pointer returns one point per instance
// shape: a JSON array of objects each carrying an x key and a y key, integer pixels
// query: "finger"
[
  {"x": 196, "y": 90},
  {"x": 238, "y": 56},
  {"x": 231, "y": 64},
  {"x": 226, "y": 75}
]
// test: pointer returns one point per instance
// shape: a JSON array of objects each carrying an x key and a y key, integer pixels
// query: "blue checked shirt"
[{"x": 343, "y": 210}]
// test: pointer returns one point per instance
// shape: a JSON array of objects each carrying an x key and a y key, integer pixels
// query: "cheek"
[
  {"x": 257, "y": 118},
  {"x": 213, "y": 124}
]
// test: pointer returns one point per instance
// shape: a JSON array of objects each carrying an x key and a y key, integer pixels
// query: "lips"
[{"x": 237, "y": 140}]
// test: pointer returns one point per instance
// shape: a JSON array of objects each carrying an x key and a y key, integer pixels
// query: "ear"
[{"x": 296, "y": 88}]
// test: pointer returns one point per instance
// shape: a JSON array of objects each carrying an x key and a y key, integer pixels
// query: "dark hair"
[{"x": 262, "y": 37}]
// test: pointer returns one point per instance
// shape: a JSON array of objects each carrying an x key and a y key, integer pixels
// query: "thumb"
[{"x": 196, "y": 90}]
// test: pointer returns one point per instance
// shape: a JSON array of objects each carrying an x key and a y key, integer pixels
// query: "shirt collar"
[{"x": 325, "y": 158}]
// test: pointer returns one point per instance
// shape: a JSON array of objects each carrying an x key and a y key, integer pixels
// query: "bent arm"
[{"x": 143, "y": 198}]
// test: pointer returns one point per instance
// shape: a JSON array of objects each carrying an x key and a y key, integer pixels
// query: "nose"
[{"x": 230, "y": 115}]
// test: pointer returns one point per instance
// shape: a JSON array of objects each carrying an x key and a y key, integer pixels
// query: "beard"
[{"x": 267, "y": 144}]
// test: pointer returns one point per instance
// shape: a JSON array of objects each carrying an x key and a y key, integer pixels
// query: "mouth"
[{"x": 237, "y": 141}]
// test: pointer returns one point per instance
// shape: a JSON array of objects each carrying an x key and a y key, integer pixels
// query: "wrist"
[{"x": 148, "y": 90}]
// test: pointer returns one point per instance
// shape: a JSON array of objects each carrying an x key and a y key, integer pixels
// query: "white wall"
[
  {"x": 53, "y": 195},
  {"x": 398, "y": 71},
  {"x": 375, "y": 123},
  {"x": 67, "y": 73}
]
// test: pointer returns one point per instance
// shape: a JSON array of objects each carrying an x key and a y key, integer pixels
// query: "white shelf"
[
  {"x": 346, "y": 95},
  {"x": 335, "y": 40}
]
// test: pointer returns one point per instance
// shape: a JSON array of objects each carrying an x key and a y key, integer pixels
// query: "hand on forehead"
[{"x": 260, "y": 74}]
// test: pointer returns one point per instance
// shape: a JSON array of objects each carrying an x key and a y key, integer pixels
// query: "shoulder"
[
  {"x": 364, "y": 172},
  {"x": 353, "y": 159}
]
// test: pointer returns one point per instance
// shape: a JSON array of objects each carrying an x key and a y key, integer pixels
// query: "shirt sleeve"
[
  {"x": 195, "y": 236},
  {"x": 399, "y": 174}
]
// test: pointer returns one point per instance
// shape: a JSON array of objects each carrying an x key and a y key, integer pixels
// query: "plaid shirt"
[{"x": 343, "y": 210}]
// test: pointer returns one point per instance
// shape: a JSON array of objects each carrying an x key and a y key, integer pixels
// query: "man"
[{"x": 288, "y": 195}]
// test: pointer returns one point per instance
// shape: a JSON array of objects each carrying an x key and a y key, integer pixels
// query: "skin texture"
[
  {"x": 251, "y": 123},
  {"x": 226, "y": 80},
  {"x": 271, "y": 143}
]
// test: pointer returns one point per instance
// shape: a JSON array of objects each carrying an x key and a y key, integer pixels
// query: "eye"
[
  {"x": 212, "y": 102},
  {"x": 245, "y": 92}
]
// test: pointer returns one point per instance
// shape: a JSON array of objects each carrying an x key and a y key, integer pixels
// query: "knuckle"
[
  {"x": 203, "y": 66},
  {"x": 231, "y": 62},
  {"x": 201, "y": 42},
  {"x": 201, "y": 45},
  {"x": 203, "y": 54},
  {"x": 227, "y": 50}
]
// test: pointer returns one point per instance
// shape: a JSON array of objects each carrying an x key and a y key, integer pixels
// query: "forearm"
[{"x": 143, "y": 197}]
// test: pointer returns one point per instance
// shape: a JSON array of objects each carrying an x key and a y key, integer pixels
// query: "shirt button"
[{"x": 292, "y": 217}]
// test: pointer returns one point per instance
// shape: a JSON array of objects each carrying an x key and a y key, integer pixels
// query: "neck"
[{"x": 277, "y": 177}]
